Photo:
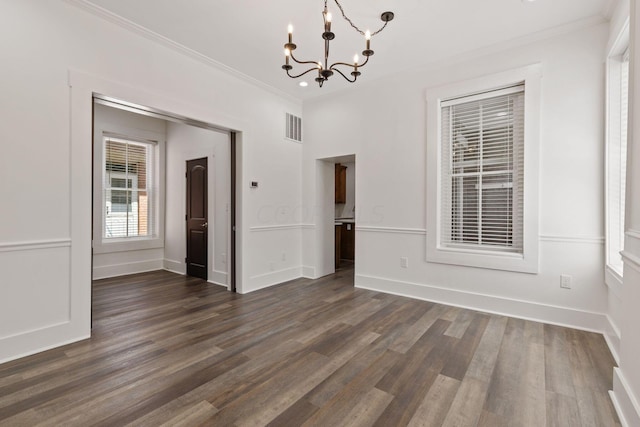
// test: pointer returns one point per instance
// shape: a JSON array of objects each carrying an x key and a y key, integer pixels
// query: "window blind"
[
  {"x": 128, "y": 196},
  {"x": 482, "y": 167}
]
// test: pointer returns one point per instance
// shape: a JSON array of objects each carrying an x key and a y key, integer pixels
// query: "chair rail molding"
[{"x": 29, "y": 245}]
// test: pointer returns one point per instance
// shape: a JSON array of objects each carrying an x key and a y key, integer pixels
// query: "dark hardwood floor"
[{"x": 173, "y": 350}]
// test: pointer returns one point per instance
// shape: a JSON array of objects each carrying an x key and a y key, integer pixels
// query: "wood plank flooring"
[{"x": 172, "y": 350}]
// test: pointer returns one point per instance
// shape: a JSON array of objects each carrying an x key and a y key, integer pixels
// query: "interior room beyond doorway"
[{"x": 139, "y": 203}]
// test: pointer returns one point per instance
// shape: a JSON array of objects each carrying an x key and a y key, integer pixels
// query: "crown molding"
[
  {"x": 502, "y": 46},
  {"x": 118, "y": 20},
  {"x": 490, "y": 49}
]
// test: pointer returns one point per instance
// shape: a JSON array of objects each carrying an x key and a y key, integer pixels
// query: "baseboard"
[
  {"x": 308, "y": 272},
  {"x": 175, "y": 266},
  {"x": 266, "y": 280},
  {"x": 218, "y": 284},
  {"x": 624, "y": 401},
  {"x": 561, "y": 316},
  {"x": 103, "y": 272},
  {"x": 218, "y": 277},
  {"x": 612, "y": 338},
  {"x": 36, "y": 341}
]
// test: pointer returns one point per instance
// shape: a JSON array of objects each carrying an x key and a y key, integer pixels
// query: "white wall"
[
  {"x": 55, "y": 54},
  {"x": 116, "y": 259},
  {"x": 383, "y": 123},
  {"x": 626, "y": 380},
  {"x": 184, "y": 143}
]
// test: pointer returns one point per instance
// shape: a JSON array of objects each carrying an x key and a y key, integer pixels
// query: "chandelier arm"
[
  {"x": 302, "y": 62},
  {"x": 345, "y": 77},
  {"x": 349, "y": 65},
  {"x": 341, "y": 63},
  {"x": 302, "y": 74}
]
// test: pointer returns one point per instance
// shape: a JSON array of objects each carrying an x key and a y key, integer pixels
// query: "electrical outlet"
[
  {"x": 565, "y": 281},
  {"x": 284, "y": 256},
  {"x": 404, "y": 262},
  {"x": 272, "y": 266}
]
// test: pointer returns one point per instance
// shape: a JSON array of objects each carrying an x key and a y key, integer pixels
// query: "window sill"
[
  {"x": 124, "y": 245},
  {"x": 483, "y": 259}
]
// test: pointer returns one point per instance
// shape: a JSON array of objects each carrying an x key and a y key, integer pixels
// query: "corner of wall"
[
  {"x": 624, "y": 401},
  {"x": 174, "y": 266}
]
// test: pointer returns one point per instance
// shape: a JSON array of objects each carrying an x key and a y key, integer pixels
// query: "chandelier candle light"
[{"x": 324, "y": 70}]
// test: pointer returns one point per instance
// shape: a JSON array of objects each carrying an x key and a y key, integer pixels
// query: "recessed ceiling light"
[
  {"x": 304, "y": 84},
  {"x": 528, "y": 1}
]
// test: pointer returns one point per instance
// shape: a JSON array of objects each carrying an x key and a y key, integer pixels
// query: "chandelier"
[{"x": 324, "y": 69}]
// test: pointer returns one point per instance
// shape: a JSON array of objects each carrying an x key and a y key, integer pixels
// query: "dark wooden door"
[{"x": 197, "y": 220}]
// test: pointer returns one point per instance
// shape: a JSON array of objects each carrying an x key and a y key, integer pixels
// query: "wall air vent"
[{"x": 293, "y": 128}]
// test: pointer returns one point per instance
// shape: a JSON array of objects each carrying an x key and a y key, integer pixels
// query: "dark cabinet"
[
  {"x": 348, "y": 242},
  {"x": 341, "y": 183},
  {"x": 345, "y": 243}
]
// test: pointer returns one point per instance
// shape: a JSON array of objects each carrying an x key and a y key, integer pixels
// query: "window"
[
  {"x": 128, "y": 188},
  {"x": 120, "y": 199},
  {"x": 482, "y": 144},
  {"x": 617, "y": 157},
  {"x": 482, "y": 171}
]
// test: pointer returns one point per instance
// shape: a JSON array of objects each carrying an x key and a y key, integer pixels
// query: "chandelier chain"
[{"x": 351, "y": 22}]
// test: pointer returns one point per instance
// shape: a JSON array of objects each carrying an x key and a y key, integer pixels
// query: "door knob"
[{"x": 205, "y": 225}]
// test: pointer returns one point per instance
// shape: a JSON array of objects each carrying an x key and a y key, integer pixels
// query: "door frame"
[
  {"x": 234, "y": 281},
  {"x": 233, "y": 158},
  {"x": 325, "y": 220},
  {"x": 83, "y": 88},
  {"x": 75, "y": 324}
]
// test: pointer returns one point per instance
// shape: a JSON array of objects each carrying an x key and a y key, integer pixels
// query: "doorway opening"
[
  {"x": 141, "y": 191},
  {"x": 336, "y": 217},
  {"x": 345, "y": 212}
]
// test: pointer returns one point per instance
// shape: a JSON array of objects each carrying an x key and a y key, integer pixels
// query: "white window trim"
[
  {"x": 102, "y": 245},
  {"x": 528, "y": 261},
  {"x": 613, "y": 276}
]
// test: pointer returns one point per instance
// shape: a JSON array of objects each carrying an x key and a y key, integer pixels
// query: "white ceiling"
[{"x": 248, "y": 35}]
